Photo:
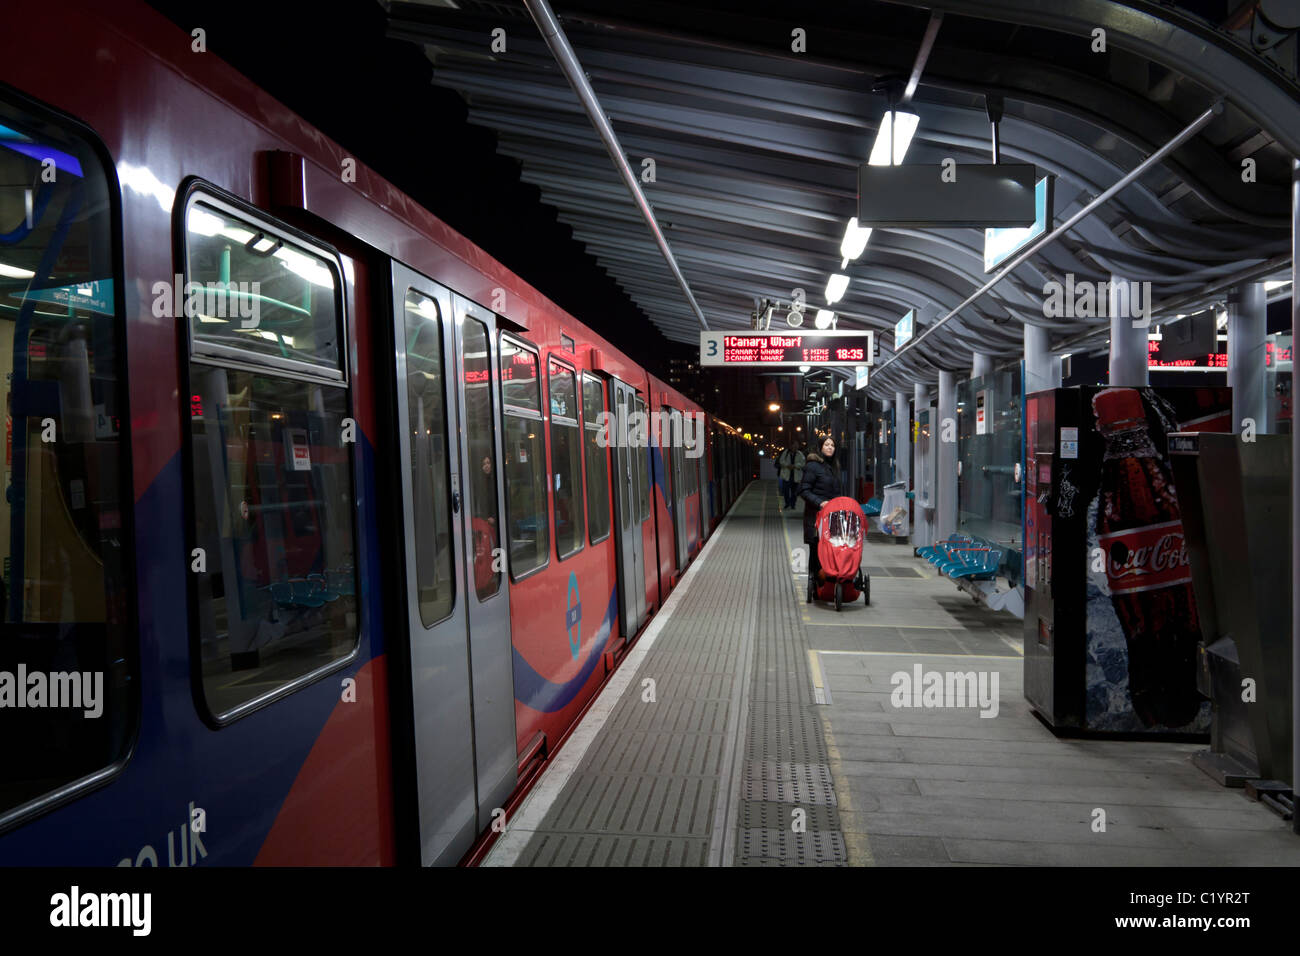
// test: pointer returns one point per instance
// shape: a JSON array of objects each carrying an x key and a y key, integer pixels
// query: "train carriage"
[{"x": 335, "y": 507}]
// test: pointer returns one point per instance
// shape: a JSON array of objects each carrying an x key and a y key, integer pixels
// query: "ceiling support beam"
[{"x": 553, "y": 33}]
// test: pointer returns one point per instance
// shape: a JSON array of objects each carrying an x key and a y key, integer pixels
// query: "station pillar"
[
  {"x": 945, "y": 469},
  {"x": 1247, "y": 335},
  {"x": 1128, "y": 339},
  {"x": 902, "y": 440},
  {"x": 920, "y": 399},
  {"x": 887, "y": 407},
  {"x": 980, "y": 364},
  {"x": 1041, "y": 369}
]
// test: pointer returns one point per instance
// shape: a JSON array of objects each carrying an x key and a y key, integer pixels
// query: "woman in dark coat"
[{"x": 821, "y": 482}]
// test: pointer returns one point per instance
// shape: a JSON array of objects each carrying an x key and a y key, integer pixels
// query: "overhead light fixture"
[
  {"x": 773, "y": 407},
  {"x": 836, "y": 287},
  {"x": 825, "y": 318},
  {"x": 13, "y": 272},
  {"x": 903, "y": 126},
  {"x": 854, "y": 242},
  {"x": 1276, "y": 284},
  {"x": 804, "y": 368}
]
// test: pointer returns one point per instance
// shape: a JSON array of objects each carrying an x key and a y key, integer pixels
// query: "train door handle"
[{"x": 455, "y": 502}]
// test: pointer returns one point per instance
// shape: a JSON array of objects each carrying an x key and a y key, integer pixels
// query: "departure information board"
[{"x": 787, "y": 349}]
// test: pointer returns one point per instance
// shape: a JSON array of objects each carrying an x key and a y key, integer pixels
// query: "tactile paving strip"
[{"x": 786, "y": 768}]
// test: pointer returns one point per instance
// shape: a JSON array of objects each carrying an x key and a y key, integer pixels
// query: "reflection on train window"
[
  {"x": 256, "y": 292},
  {"x": 643, "y": 466},
  {"x": 566, "y": 461},
  {"x": 480, "y": 433},
  {"x": 527, "y": 528},
  {"x": 593, "y": 404},
  {"x": 430, "y": 488},
  {"x": 276, "y": 583},
  {"x": 64, "y": 592},
  {"x": 276, "y": 591}
]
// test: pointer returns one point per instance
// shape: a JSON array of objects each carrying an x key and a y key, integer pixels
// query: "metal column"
[
  {"x": 1247, "y": 334},
  {"x": 945, "y": 470},
  {"x": 902, "y": 440},
  {"x": 1128, "y": 341},
  {"x": 1041, "y": 371},
  {"x": 886, "y": 405},
  {"x": 923, "y": 510},
  {"x": 980, "y": 364}
]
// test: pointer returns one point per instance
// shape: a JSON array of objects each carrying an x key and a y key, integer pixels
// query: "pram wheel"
[{"x": 839, "y": 594}]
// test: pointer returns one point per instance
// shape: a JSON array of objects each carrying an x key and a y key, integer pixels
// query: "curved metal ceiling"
[{"x": 756, "y": 151}]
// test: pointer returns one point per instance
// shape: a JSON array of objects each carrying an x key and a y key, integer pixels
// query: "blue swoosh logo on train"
[{"x": 534, "y": 690}]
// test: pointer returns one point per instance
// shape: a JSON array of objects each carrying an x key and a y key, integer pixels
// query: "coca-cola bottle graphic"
[{"x": 1140, "y": 532}]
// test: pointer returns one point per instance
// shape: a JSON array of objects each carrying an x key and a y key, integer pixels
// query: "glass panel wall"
[{"x": 989, "y": 454}]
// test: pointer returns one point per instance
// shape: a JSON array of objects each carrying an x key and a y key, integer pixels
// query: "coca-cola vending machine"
[{"x": 1111, "y": 630}]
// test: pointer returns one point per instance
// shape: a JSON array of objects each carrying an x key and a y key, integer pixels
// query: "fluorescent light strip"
[
  {"x": 903, "y": 132},
  {"x": 836, "y": 287}
]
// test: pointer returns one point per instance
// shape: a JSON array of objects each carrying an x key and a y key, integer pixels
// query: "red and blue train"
[{"x": 315, "y": 541}]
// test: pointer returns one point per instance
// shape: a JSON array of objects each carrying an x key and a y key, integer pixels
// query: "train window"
[
  {"x": 274, "y": 578},
  {"x": 480, "y": 434},
  {"x": 527, "y": 528},
  {"x": 643, "y": 467},
  {"x": 566, "y": 461},
  {"x": 593, "y": 405},
  {"x": 625, "y": 508},
  {"x": 68, "y": 701},
  {"x": 257, "y": 292},
  {"x": 426, "y": 409}
]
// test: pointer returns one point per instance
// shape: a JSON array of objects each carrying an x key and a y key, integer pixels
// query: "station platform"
[{"x": 743, "y": 712}]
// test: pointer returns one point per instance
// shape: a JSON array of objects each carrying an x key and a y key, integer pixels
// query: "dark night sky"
[{"x": 373, "y": 95}]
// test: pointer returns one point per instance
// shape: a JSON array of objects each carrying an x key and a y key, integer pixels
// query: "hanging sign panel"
[
  {"x": 956, "y": 196},
  {"x": 831, "y": 348},
  {"x": 1001, "y": 244}
]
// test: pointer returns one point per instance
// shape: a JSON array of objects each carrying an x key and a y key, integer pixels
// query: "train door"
[
  {"x": 678, "y": 489},
  {"x": 627, "y": 494},
  {"x": 458, "y": 614}
]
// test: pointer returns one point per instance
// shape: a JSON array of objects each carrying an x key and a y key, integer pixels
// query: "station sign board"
[
  {"x": 787, "y": 349},
  {"x": 958, "y": 196},
  {"x": 903, "y": 329}
]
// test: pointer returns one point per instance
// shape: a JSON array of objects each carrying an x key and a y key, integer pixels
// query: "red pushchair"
[{"x": 841, "y": 529}]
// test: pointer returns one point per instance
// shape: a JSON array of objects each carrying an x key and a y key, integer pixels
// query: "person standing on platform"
[
  {"x": 821, "y": 482},
  {"x": 791, "y": 463}
]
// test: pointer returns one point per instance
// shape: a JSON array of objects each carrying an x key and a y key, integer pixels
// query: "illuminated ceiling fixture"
[
  {"x": 854, "y": 242},
  {"x": 898, "y": 126},
  {"x": 14, "y": 272},
  {"x": 1272, "y": 284},
  {"x": 825, "y": 318},
  {"x": 773, "y": 407},
  {"x": 804, "y": 368},
  {"x": 836, "y": 287}
]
